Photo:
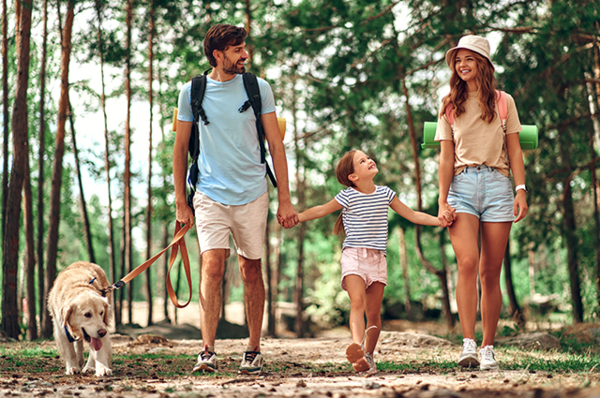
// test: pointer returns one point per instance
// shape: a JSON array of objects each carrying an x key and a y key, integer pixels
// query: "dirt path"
[{"x": 411, "y": 366}]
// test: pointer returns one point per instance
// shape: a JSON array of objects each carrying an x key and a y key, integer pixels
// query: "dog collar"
[{"x": 69, "y": 337}]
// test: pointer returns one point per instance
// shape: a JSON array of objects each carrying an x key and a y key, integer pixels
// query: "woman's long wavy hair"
[
  {"x": 486, "y": 82},
  {"x": 344, "y": 168}
]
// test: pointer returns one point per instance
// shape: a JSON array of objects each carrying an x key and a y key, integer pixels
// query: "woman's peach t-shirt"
[{"x": 477, "y": 142}]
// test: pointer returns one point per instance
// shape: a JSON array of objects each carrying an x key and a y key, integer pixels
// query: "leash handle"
[
  {"x": 177, "y": 243},
  {"x": 186, "y": 266}
]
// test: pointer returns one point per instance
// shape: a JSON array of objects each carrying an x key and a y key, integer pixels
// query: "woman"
[{"x": 478, "y": 151}]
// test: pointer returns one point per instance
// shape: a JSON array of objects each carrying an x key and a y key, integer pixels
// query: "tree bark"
[
  {"x": 515, "y": 310},
  {"x": 270, "y": 296},
  {"x": 165, "y": 271},
  {"x": 443, "y": 273},
  {"x": 4, "y": 113},
  {"x": 57, "y": 169},
  {"x": 84, "y": 214},
  {"x": 10, "y": 248},
  {"x": 41, "y": 154},
  {"x": 149, "y": 206},
  {"x": 299, "y": 291},
  {"x": 111, "y": 238},
  {"x": 29, "y": 254},
  {"x": 127, "y": 176},
  {"x": 248, "y": 27},
  {"x": 404, "y": 268},
  {"x": 593, "y": 152},
  {"x": 572, "y": 246}
]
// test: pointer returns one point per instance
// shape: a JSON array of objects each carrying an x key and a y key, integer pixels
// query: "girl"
[
  {"x": 364, "y": 267},
  {"x": 474, "y": 179}
]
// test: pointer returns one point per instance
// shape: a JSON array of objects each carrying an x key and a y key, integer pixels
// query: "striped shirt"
[{"x": 365, "y": 217}]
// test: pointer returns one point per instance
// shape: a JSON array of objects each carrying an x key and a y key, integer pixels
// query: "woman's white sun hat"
[{"x": 478, "y": 44}]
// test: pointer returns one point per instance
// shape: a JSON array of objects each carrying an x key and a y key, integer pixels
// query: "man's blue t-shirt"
[{"x": 230, "y": 171}]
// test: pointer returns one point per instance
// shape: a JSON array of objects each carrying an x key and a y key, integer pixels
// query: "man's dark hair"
[{"x": 221, "y": 36}]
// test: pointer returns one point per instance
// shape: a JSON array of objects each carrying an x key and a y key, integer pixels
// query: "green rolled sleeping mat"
[{"x": 528, "y": 137}]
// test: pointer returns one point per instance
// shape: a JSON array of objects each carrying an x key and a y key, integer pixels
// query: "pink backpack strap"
[
  {"x": 502, "y": 107},
  {"x": 450, "y": 115}
]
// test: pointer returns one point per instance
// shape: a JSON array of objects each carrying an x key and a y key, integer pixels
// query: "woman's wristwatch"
[{"x": 522, "y": 186}]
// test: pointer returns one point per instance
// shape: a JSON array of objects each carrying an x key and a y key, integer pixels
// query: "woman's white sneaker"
[
  {"x": 488, "y": 358},
  {"x": 468, "y": 358}
]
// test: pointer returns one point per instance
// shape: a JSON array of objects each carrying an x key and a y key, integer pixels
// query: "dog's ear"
[
  {"x": 66, "y": 316},
  {"x": 106, "y": 317}
]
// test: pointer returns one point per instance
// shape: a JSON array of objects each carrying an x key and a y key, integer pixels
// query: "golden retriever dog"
[{"x": 80, "y": 309}]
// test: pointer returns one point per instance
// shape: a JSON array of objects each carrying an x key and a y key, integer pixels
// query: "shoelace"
[
  {"x": 251, "y": 355},
  {"x": 487, "y": 353},
  {"x": 469, "y": 345},
  {"x": 206, "y": 355}
]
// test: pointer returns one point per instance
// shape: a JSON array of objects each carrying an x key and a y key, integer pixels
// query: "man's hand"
[
  {"x": 184, "y": 214},
  {"x": 286, "y": 215}
]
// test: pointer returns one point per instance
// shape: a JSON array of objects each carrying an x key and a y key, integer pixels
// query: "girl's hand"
[
  {"x": 520, "y": 205},
  {"x": 446, "y": 215}
]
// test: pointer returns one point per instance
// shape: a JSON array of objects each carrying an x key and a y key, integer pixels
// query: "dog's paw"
[
  {"x": 103, "y": 371},
  {"x": 72, "y": 370},
  {"x": 88, "y": 369}
]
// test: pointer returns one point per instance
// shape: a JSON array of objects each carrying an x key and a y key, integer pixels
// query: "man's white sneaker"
[
  {"x": 207, "y": 362},
  {"x": 252, "y": 363},
  {"x": 468, "y": 358},
  {"x": 488, "y": 358}
]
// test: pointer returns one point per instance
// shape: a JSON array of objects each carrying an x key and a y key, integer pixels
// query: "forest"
[{"x": 89, "y": 89}]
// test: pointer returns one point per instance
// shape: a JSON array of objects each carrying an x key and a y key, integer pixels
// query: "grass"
[{"x": 40, "y": 361}]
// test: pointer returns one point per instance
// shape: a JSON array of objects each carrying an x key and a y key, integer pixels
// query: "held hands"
[
  {"x": 520, "y": 205},
  {"x": 286, "y": 215},
  {"x": 446, "y": 215}
]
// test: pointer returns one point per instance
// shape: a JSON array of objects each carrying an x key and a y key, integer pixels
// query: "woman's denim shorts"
[{"x": 484, "y": 192}]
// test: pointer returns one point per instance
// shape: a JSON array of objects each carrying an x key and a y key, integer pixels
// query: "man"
[{"x": 231, "y": 194}]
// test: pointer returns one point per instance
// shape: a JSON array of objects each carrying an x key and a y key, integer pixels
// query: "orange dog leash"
[{"x": 178, "y": 243}]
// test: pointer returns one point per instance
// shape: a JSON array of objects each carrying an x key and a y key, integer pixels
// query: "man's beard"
[{"x": 232, "y": 68}]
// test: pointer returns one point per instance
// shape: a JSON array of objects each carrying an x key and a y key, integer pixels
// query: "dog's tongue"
[{"x": 96, "y": 343}]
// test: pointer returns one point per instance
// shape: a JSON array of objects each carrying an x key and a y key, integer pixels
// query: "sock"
[
  {"x": 210, "y": 348},
  {"x": 251, "y": 348}
]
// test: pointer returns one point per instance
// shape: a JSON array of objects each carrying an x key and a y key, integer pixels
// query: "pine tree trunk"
[
  {"x": 10, "y": 248},
  {"x": 443, "y": 273},
  {"x": 127, "y": 177},
  {"x": 41, "y": 153},
  {"x": 404, "y": 268},
  {"x": 4, "y": 113},
  {"x": 165, "y": 271},
  {"x": 270, "y": 295},
  {"x": 593, "y": 170},
  {"x": 149, "y": 206},
  {"x": 57, "y": 169},
  {"x": 111, "y": 238},
  {"x": 572, "y": 247},
  {"x": 299, "y": 291},
  {"x": 514, "y": 308},
  {"x": 29, "y": 254},
  {"x": 84, "y": 214},
  {"x": 248, "y": 26}
]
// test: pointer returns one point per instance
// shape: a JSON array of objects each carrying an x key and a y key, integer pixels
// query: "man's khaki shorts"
[{"x": 247, "y": 223}]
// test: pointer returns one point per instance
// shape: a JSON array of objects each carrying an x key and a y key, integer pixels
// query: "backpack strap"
[
  {"x": 450, "y": 115},
  {"x": 196, "y": 98},
  {"x": 502, "y": 107},
  {"x": 198, "y": 90},
  {"x": 254, "y": 100}
]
